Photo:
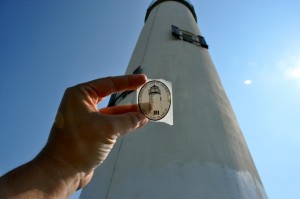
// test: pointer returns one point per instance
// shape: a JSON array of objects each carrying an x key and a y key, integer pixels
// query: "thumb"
[{"x": 127, "y": 122}]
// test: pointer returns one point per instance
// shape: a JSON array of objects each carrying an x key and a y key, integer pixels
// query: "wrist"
[
  {"x": 39, "y": 178},
  {"x": 63, "y": 178}
]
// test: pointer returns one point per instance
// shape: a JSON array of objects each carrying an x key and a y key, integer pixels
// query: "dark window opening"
[
  {"x": 138, "y": 70},
  {"x": 116, "y": 97},
  {"x": 189, "y": 37},
  {"x": 176, "y": 32},
  {"x": 119, "y": 96},
  {"x": 202, "y": 42}
]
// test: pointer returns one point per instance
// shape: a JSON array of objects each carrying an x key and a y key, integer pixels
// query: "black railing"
[{"x": 184, "y": 2}]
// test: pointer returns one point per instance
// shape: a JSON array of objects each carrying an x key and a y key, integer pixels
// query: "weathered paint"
[{"x": 204, "y": 154}]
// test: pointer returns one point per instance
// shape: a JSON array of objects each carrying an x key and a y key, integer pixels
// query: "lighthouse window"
[
  {"x": 117, "y": 97},
  {"x": 202, "y": 42},
  {"x": 189, "y": 37},
  {"x": 176, "y": 32},
  {"x": 138, "y": 70}
]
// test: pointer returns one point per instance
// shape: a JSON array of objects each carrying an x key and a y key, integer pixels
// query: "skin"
[{"x": 79, "y": 141}]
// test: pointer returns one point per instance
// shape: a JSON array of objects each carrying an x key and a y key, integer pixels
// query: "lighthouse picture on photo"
[{"x": 154, "y": 99}]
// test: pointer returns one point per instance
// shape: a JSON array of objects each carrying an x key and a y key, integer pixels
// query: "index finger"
[
  {"x": 109, "y": 85},
  {"x": 117, "y": 110}
]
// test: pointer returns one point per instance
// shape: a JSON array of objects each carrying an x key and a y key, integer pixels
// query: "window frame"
[{"x": 189, "y": 37}]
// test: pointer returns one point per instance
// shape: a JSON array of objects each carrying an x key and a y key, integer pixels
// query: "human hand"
[
  {"x": 82, "y": 136},
  {"x": 80, "y": 139}
]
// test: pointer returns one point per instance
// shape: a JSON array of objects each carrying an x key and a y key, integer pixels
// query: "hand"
[
  {"x": 80, "y": 139},
  {"x": 82, "y": 136}
]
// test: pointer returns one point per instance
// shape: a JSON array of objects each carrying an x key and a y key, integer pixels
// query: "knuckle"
[
  {"x": 110, "y": 129},
  {"x": 133, "y": 121},
  {"x": 70, "y": 91}
]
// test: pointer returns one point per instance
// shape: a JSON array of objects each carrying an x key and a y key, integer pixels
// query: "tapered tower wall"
[{"x": 204, "y": 154}]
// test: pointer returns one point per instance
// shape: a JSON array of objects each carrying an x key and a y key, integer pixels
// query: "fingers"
[
  {"x": 109, "y": 85},
  {"x": 127, "y": 122},
  {"x": 117, "y": 110}
]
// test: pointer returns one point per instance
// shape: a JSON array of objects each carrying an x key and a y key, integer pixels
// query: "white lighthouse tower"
[
  {"x": 155, "y": 99},
  {"x": 203, "y": 155}
]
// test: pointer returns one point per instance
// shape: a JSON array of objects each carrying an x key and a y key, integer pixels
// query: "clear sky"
[{"x": 47, "y": 46}]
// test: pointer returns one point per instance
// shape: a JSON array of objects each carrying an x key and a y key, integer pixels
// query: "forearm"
[{"x": 39, "y": 178}]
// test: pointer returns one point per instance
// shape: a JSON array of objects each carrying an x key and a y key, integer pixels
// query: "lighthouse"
[
  {"x": 203, "y": 154},
  {"x": 155, "y": 99}
]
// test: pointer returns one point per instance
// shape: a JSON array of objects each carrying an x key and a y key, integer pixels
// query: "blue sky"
[{"x": 47, "y": 46}]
